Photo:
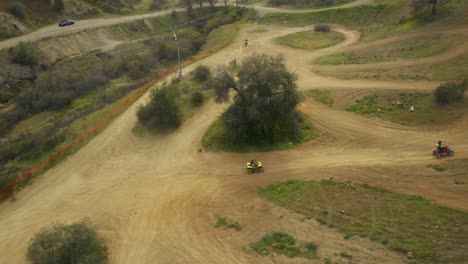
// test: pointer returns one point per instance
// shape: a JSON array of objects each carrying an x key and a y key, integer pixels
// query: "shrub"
[
  {"x": 163, "y": 110},
  {"x": 73, "y": 244},
  {"x": 202, "y": 73},
  {"x": 197, "y": 98},
  {"x": 26, "y": 54},
  {"x": 450, "y": 92},
  {"x": 322, "y": 28},
  {"x": 136, "y": 69},
  {"x": 158, "y": 4},
  {"x": 17, "y": 9},
  {"x": 58, "y": 5}
]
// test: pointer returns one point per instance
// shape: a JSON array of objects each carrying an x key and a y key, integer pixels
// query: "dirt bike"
[
  {"x": 258, "y": 167},
  {"x": 445, "y": 151}
]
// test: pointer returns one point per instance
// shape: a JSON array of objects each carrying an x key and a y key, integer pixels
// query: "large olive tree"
[{"x": 264, "y": 106}]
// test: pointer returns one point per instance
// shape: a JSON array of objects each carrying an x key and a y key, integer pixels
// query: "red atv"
[{"x": 442, "y": 152}]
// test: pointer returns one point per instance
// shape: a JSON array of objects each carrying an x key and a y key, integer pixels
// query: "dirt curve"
[{"x": 155, "y": 198}]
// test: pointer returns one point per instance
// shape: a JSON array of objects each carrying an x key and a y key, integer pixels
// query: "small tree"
[
  {"x": 163, "y": 111},
  {"x": 26, "y": 54},
  {"x": 322, "y": 28},
  {"x": 420, "y": 5},
  {"x": 58, "y": 5},
  {"x": 197, "y": 98},
  {"x": 450, "y": 92},
  {"x": 74, "y": 244},
  {"x": 202, "y": 73},
  {"x": 212, "y": 3},
  {"x": 17, "y": 9},
  {"x": 188, "y": 3},
  {"x": 264, "y": 110}
]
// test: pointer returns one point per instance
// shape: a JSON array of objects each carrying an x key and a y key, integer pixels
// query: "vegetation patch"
[
  {"x": 321, "y": 96},
  {"x": 311, "y": 40},
  {"x": 263, "y": 115},
  {"x": 171, "y": 103},
  {"x": 375, "y": 21},
  {"x": 355, "y": 16},
  {"x": 416, "y": 48},
  {"x": 284, "y": 244},
  {"x": 226, "y": 224},
  {"x": 402, "y": 222},
  {"x": 450, "y": 70},
  {"x": 259, "y": 30},
  {"x": 216, "y": 139},
  {"x": 398, "y": 109},
  {"x": 308, "y": 4},
  {"x": 451, "y": 92},
  {"x": 74, "y": 244}
]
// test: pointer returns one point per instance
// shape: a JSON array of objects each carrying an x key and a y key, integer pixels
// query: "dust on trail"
[{"x": 155, "y": 198}]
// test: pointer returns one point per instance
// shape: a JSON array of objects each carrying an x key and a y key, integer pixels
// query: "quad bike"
[
  {"x": 442, "y": 152},
  {"x": 252, "y": 169}
]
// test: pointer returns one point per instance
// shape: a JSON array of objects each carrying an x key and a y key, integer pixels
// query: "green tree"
[
  {"x": 58, "y": 5},
  {"x": 26, "y": 54},
  {"x": 264, "y": 108},
  {"x": 450, "y": 92},
  {"x": 72, "y": 244},
  {"x": 163, "y": 110},
  {"x": 17, "y": 8},
  {"x": 202, "y": 73},
  {"x": 420, "y": 5}
]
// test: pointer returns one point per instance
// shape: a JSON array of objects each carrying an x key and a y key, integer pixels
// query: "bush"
[
  {"x": 26, "y": 54},
  {"x": 322, "y": 28},
  {"x": 163, "y": 110},
  {"x": 136, "y": 69},
  {"x": 197, "y": 98},
  {"x": 202, "y": 73},
  {"x": 450, "y": 92},
  {"x": 58, "y": 5},
  {"x": 17, "y": 9},
  {"x": 158, "y": 4},
  {"x": 73, "y": 244}
]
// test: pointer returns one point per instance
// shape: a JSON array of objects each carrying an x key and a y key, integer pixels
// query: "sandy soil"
[{"x": 155, "y": 198}]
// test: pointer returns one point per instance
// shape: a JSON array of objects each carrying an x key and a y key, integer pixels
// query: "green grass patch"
[
  {"x": 227, "y": 224},
  {"x": 427, "y": 111},
  {"x": 217, "y": 37},
  {"x": 259, "y": 30},
  {"x": 345, "y": 255},
  {"x": 402, "y": 222},
  {"x": 415, "y": 48},
  {"x": 284, "y": 244},
  {"x": 321, "y": 96},
  {"x": 312, "y": 4},
  {"x": 450, "y": 70},
  {"x": 355, "y": 16},
  {"x": 216, "y": 140},
  {"x": 310, "y": 40}
]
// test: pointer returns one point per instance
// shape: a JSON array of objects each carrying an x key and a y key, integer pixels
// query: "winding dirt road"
[{"x": 155, "y": 198}]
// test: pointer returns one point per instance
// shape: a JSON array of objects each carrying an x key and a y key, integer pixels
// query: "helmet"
[{"x": 440, "y": 142}]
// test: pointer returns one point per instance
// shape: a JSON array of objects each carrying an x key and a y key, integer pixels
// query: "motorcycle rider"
[
  {"x": 440, "y": 146},
  {"x": 253, "y": 163}
]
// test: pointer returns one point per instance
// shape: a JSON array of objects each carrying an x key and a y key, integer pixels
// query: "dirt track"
[{"x": 155, "y": 197}]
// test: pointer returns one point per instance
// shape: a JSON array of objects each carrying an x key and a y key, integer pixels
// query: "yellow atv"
[{"x": 256, "y": 167}]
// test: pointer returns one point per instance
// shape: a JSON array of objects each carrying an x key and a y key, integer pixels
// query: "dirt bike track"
[{"x": 155, "y": 198}]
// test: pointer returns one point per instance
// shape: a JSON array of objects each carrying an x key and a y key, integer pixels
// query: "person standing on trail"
[{"x": 246, "y": 42}]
